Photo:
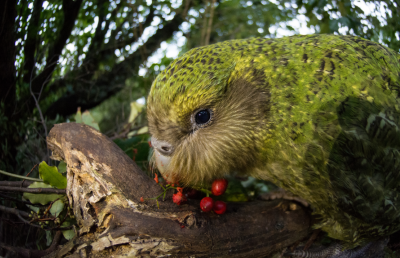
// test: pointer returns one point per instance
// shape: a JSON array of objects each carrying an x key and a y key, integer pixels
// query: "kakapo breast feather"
[{"x": 318, "y": 115}]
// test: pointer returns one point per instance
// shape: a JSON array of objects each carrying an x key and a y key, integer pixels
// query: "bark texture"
[
  {"x": 7, "y": 54},
  {"x": 104, "y": 189}
]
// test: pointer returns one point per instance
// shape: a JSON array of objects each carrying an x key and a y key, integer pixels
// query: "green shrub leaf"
[
  {"x": 51, "y": 176},
  {"x": 57, "y": 208},
  {"x": 41, "y": 198}
]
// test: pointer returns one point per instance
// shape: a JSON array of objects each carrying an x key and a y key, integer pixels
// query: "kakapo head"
[{"x": 207, "y": 113}]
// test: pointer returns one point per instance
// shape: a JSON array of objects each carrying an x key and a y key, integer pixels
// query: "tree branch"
[
  {"x": 18, "y": 200},
  {"x": 31, "y": 41},
  {"x": 20, "y": 177},
  {"x": 7, "y": 54},
  {"x": 27, "y": 253},
  {"x": 70, "y": 10},
  {"x": 95, "y": 55},
  {"x": 104, "y": 189},
  {"x": 92, "y": 58},
  {"x": 32, "y": 190},
  {"x": 14, "y": 211},
  {"x": 15, "y": 183},
  {"x": 87, "y": 96}
]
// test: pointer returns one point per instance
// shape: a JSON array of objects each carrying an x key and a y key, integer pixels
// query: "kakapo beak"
[
  {"x": 162, "y": 151},
  {"x": 162, "y": 161}
]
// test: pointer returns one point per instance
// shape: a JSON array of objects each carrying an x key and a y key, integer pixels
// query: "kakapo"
[{"x": 318, "y": 115}]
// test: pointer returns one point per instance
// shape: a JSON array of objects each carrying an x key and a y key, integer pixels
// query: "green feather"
[{"x": 318, "y": 115}]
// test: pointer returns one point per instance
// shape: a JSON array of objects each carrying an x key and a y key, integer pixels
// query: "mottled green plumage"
[{"x": 318, "y": 115}]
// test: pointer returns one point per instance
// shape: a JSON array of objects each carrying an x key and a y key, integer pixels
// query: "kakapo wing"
[
  {"x": 332, "y": 131},
  {"x": 334, "y": 134}
]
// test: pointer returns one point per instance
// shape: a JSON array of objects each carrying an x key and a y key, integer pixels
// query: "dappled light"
[{"x": 93, "y": 62}]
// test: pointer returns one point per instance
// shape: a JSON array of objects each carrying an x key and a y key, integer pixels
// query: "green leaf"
[
  {"x": 136, "y": 108},
  {"x": 290, "y": 28},
  {"x": 34, "y": 208},
  {"x": 41, "y": 198},
  {"x": 49, "y": 237},
  {"x": 62, "y": 167},
  {"x": 78, "y": 116},
  {"x": 70, "y": 233},
  {"x": 51, "y": 176},
  {"x": 57, "y": 208},
  {"x": 87, "y": 119}
]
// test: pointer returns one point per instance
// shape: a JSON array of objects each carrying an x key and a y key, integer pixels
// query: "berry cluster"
[{"x": 207, "y": 203}]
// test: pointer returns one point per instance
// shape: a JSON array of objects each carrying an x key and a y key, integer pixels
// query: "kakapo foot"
[
  {"x": 373, "y": 249},
  {"x": 283, "y": 194}
]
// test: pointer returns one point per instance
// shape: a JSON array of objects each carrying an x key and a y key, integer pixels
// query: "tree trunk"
[
  {"x": 8, "y": 107},
  {"x": 7, "y": 54},
  {"x": 105, "y": 187}
]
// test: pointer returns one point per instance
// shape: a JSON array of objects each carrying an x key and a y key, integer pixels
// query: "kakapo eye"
[{"x": 202, "y": 117}]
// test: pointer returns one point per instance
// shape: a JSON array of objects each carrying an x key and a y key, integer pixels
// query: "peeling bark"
[{"x": 104, "y": 188}]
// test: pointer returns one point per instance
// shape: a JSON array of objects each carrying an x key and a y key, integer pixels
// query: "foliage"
[
  {"x": 51, "y": 176},
  {"x": 137, "y": 148},
  {"x": 55, "y": 211},
  {"x": 86, "y": 118},
  {"x": 103, "y": 55},
  {"x": 233, "y": 19},
  {"x": 375, "y": 20},
  {"x": 89, "y": 53},
  {"x": 72, "y": 54},
  {"x": 41, "y": 198}
]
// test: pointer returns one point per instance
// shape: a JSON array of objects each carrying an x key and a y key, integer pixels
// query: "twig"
[
  {"x": 32, "y": 190},
  {"x": 15, "y": 183},
  {"x": 65, "y": 217},
  {"x": 20, "y": 214},
  {"x": 207, "y": 39},
  {"x": 27, "y": 222},
  {"x": 203, "y": 28},
  {"x": 14, "y": 211},
  {"x": 123, "y": 133},
  {"x": 18, "y": 200},
  {"x": 31, "y": 171},
  {"x": 23, "y": 252},
  {"x": 49, "y": 206},
  {"x": 40, "y": 110},
  {"x": 21, "y": 177},
  {"x": 185, "y": 11},
  {"x": 45, "y": 228},
  {"x": 56, "y": 239}
]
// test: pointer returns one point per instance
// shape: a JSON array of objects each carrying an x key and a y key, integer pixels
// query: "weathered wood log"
[{"x": 104, "y": 189}]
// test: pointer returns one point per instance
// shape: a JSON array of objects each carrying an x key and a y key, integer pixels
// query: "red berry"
[
  {"x": 219, "y": 186},
  {"x": 206, "y": 204},
  {"x": 178, "y": 198},
  {"x": 141, "y": 199},
  {"x": 219, "y": 207}
]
